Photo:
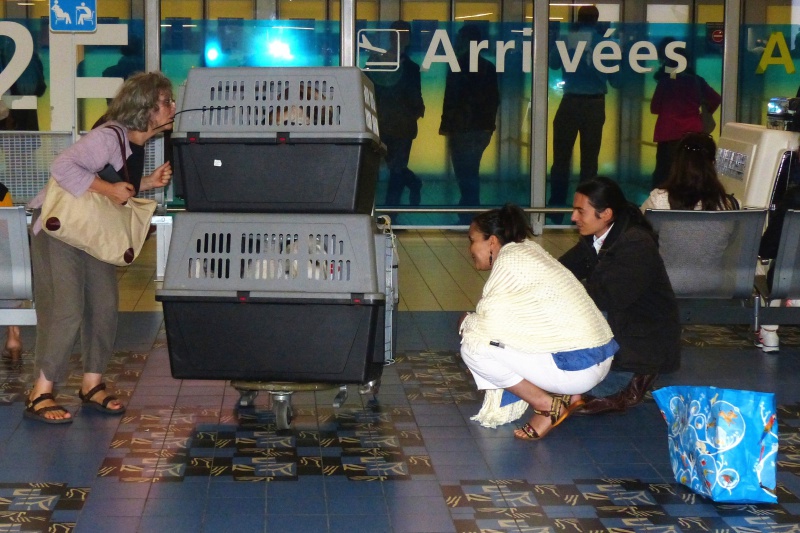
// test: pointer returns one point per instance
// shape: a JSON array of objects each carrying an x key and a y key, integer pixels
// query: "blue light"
[
  {"x": 212, "y": 53},
  {"x": 279, "y": 50}
]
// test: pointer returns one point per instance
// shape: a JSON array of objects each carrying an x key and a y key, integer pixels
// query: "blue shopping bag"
[{"x": 723, "y": 443}]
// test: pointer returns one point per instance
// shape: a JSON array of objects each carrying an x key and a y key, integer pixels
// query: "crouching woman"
[{"x": 535, "y": 331}]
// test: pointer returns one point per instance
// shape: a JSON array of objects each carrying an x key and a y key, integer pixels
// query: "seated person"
[
  {"x": 768, "y": 339},
  {"x": 693, "y": 184},
  {"x": 617, "y": 258},
  {"x": 535, "y": 332}
]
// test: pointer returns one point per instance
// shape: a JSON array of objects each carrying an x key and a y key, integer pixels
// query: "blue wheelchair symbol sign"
[{"x": 73, "y": 15}]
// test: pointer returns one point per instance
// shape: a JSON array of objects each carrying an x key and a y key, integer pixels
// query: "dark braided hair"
[
  {"x": 604, "y": 193},
  {"x": 508, "y": 223}
]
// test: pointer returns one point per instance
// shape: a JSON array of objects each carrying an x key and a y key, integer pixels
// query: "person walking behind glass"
[
  {"x": 469, "y": 110},
  {"x": 582, "y": 109},
  {"x": 30, "y": 83},
  {"x": 398, "y": 96}
]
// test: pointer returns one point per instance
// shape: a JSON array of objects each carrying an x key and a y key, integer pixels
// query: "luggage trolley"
[{"x": 279, "y": 278}]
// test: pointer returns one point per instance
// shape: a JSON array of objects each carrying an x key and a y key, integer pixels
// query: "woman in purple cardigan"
[{"x": 76, "y": 293}]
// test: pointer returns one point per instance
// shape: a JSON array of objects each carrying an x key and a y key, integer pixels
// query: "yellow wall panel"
[
  {"x": 706, "y": 13},
  {"x": 182, "y": 8},
  {"x": 425, "y": 11},
  {"x": 231, "y": 8},
  {"x": 118, "y": 8},
  {"x": 301, "y": 9},
  {"x": 365, "y": 10},
  {"x": 466, "y": 11},
  {"x": 560, "y": 13}
]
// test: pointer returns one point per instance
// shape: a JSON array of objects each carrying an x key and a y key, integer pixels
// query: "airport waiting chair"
[
  {"x": 16, "y": 284},
  {"x": 711, "y": 257},
  {"x": 786, "y": 276}
]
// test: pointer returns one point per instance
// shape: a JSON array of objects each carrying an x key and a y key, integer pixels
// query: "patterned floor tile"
[
  {"x": 737, "y": 336},
  {"x": 604, "y": 505},
  {"x": 124, "y": 370},
  {"x": 168, "y": 444},
  {"x": 435, "y": 377},
  {"x": 36, "y": 507}
]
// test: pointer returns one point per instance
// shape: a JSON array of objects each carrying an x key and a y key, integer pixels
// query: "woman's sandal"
[
  {"x": 557, "y": 414},
  {"x": 38, "y": 414},
  {"x": 100, "y": 406}
]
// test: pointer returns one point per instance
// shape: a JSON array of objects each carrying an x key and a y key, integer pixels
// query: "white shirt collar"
[{"x": 598, "y": 241}]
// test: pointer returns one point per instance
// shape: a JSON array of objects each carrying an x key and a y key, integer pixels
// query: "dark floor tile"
[
  {"x": 122, "y": 507},
  {"x": 182, "y": 523},
  {"x": 93, "y": 523},
  {"x": 248, "y": 521},
  {"x": 316, "y": 523},
  {"x": 307, "y": 505},
  {"x": 367, "y": 523}
]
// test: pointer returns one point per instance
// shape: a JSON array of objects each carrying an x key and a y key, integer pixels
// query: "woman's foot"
[
  {"x": 43, "y": 408},
  {"x": 542, "y": 422},
  {"x": 13, "y": 347},
  {"x": 97, "y": 398}
]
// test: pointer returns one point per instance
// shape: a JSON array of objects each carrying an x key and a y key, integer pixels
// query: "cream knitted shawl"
[{"x": 533, "y": 304}]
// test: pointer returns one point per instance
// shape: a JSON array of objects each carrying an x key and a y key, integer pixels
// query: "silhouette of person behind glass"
[
  {"x": 130, "y": 62},
  {"x": 582, "y": 108},
  {"x": 676, "y": 101},
  {"x": 468, "y": 117},
  {"x": 30, "y": 83},
  {"x": 398, "y": 96}
]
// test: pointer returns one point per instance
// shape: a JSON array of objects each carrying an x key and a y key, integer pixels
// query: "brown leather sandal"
[
  {"x": 100, "y": 406},
  {"x": 38, "y": 414},
  {"x": 560, "y": 409}
]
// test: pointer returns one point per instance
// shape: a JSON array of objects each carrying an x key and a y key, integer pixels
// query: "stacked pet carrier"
[{"x": 278, "y": 278}]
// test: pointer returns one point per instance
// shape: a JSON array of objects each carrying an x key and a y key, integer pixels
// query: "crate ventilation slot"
[
  {"x": 311, "y": 105},
  {"x": 271, "y": 256},
  {"x": 273, "y": 115},
  {"x": 209, "y": 262}
]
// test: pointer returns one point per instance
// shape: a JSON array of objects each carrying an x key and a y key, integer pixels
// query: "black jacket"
[
  {"x": 398, "y": 96},
  {"x": 471, "y": 99},
  {"x": 627, "y": 280},
  {"x": 768, "y": 248}
]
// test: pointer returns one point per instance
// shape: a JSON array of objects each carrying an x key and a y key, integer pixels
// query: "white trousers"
[{"x": 494, "y": 367}]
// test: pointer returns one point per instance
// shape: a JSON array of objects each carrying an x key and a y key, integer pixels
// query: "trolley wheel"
[
  {"x": 283, "y": 413},
  {"x": 247, "y": 398}
]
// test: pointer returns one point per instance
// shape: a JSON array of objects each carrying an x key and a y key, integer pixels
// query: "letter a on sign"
[{"x": 73, "y": 16}]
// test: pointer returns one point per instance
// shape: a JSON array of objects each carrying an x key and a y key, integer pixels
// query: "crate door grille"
[
  {"x": 325, "y": 261},
  {"x": 212, "y": 259},
  {"x": 269, "y": 256},
  {"x": 227, "y": 91}
]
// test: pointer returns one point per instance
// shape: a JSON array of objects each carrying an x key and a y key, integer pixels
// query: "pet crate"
[
  {"x": 277, "y": 297},
  {"x": 284, "y": 140}
]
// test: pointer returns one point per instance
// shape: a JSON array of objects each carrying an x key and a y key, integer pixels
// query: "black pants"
[{"x": 577, "y": 114}]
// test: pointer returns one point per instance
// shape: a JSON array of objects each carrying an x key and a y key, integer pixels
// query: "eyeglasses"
[{"x": 167, "y": 102}]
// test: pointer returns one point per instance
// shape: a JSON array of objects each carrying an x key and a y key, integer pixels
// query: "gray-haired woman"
[{"x": 76, "y": 293}]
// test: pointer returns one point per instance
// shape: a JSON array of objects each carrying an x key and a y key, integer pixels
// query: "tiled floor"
[{"x": 184, "y": 458}]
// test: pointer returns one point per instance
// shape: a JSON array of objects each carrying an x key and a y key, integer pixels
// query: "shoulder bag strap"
[{"x": 120, "y": 138}]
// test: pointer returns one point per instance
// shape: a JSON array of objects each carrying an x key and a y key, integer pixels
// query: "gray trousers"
[{"x": 74, "y": 293}]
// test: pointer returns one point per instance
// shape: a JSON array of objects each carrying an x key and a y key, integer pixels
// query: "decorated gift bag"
[{"x": 723, "y": 443}]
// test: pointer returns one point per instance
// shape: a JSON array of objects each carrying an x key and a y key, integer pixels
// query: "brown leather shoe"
[
  {"x": 639, "y": 385},
  {"x": 609, "y": 404}
]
